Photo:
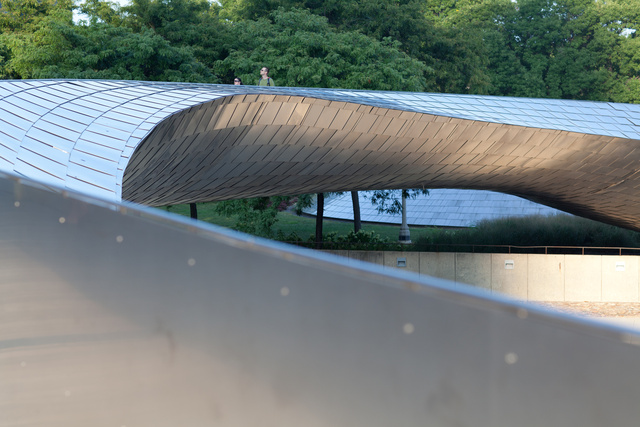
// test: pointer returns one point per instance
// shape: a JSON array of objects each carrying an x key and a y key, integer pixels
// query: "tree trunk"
[
  {"x": 194, "y": 210},
  {"x": 405, "y": 235},
  {"x": 357, "y": 225},
  {"x": 319, "y": 217}
]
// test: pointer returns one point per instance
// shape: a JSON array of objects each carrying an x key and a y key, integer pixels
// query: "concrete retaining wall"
[{"x": 531, "y": 277}]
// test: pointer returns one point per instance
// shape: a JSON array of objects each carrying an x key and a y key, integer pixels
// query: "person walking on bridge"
[{"x": 265, "y": 80}]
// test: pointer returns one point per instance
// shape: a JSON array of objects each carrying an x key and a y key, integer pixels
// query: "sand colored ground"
[{"x": 622, "y": 313}]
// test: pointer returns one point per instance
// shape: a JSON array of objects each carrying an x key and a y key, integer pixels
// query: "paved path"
[{"x": 622, "y": 313}]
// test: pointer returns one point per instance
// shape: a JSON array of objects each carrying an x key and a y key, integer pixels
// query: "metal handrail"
[{"x": 467, "y": 247}]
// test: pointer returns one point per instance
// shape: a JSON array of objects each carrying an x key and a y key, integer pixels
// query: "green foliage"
[
  {"x": 535, "y": 232},
  {"x": 303, "y": 201},
  {"x": 574, "y": 49},
  {"x": 302, "y": 49},
  {"x": 362, "y": 240},
  {"x": 25, "y": 15},
  {"x": 25, "y": 23},
  {"x": 183, "y": 23},
  {"x": 56, "y": 48},
  {"x": 253, "y": 216},
  {"x": 577, "y": 49},
  {"x": 453, "y": 57},
  {"x": 390, "y": 201},
  {"x": 558, "y": 230},
  {"x": 102, "y": 11}
]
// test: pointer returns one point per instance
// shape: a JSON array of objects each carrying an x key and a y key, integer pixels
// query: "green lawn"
[
  {"x": 527, "y": 234},
  {"x": 303, "y": 226}
]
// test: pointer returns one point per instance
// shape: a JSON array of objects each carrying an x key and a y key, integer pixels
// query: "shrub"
[{"x": 555, "y": 230}]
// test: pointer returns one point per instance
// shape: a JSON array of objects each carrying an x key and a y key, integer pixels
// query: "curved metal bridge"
[
  {"x": 170, "y": 143},
  {"x": 116, "y": 314}
]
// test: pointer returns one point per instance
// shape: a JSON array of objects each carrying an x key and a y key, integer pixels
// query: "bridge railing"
[
  {"x": 113, "y": 315},
  {"x": 473, "y": 248}
]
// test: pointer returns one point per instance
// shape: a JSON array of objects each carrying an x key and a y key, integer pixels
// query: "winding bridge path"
[
  {"x": 169, "y": 143},
  {"x": 113, "y": 314}
]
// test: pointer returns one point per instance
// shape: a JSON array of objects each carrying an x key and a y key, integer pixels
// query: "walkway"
[{"x": 622, "y": 313}]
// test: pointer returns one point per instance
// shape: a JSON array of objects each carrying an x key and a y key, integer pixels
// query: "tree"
[
  {"x": 355, "y": 201},
  {"x": 102, "y": 11},
  {"x": 557, "y": 49},
  {"x": 25, "y": 16},
  {"x": 302, "y": 49},
  {"x": 56, "y": 48},
  {"x": 454, "y": 58},
  {"x": 390, "y": 201},
  {"x": 183, "y": 23},
  {"x": 394, "y": 202},
  {"x": 319, "y": 219},
  {"x": 25, "y": 23},
  {"x": 254, "y": 216}
]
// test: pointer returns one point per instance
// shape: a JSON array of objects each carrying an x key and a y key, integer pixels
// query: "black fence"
[{"x": 459, "y": 247}]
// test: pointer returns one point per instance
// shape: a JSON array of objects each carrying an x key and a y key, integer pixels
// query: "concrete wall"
[{"x": 531, "y": 277}]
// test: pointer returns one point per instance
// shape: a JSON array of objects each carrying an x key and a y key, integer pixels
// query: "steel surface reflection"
[
  {"x": 118, "y": 315},
  {"x": 159, "y": 143}
]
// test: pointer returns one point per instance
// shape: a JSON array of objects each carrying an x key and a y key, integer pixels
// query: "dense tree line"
[
  {"x": 571, "y": 49},
  {"x": 577, "y": 49}
]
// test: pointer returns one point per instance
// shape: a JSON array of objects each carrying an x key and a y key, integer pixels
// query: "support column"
[{"x": 405, "y": 235}]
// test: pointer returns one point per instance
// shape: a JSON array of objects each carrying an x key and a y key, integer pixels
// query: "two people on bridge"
[{"x": 265, "y": 80}]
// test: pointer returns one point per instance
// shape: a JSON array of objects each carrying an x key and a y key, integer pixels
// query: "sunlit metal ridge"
[
  {"x": 114, "y": 314},
  {"x": 162, "y": 143}
]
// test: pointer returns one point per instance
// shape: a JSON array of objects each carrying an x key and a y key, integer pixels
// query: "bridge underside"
[
  {"x": 168, "y": 143},
  {"x": 120, "y": 315},
  {"x": 248, "y": 146}
]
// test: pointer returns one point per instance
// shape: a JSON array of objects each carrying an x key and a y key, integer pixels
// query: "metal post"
[{"x": 405, "y": 235}]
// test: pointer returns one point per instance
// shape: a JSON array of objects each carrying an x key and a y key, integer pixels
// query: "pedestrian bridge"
[
  {"x": 169, "y": 143},
  {"x": 117, "y": 314}
]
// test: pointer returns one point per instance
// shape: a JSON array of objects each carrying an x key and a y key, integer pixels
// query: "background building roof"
[{"x": 442, "y": 208}]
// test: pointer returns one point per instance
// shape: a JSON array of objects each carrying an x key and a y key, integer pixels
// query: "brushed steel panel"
[
  {"x": 84, "y": 187},
  {"x": 6, "y": 160},
  {"x": 93, "y": 175},
  {"x": 110, "y": 128},
  {"x": 14, "y": 133},
  {"x": 21, "y": 111},
  {"x": 35, "y": 135},
  {"x": 30, "y": 102},
  {"x": 7, "y": 152},
  {"x": 92, "y": 161},
  {"x": 63, "y": 122},
  {"x": 98, "y": 150},
  {"x": 95, "y": 102},
  {"x": 87, "y": 106},
  {"x": 98, "y": 138},
  {"x": 6, "y": 91},
  {"x": 55, "y": 96},
  {"x": 85, "y": 116},
  {"x": 374, "y": 110},
  {"x": 32, "y": 165},
  {"x": 121, "y": 121},
  {"x": 326, "y": 118},
  {"x": 33, "y": 147},
  {"x": 136, "y": 111}
]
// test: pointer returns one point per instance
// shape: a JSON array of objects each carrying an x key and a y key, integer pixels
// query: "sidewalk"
[{"x": 626, "y": 314}]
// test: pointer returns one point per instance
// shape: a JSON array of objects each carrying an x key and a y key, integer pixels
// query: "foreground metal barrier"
[{"x": 115, "y": 315}]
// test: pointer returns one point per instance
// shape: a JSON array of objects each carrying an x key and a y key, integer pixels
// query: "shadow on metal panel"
[{"x": 118, "y": 315}]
